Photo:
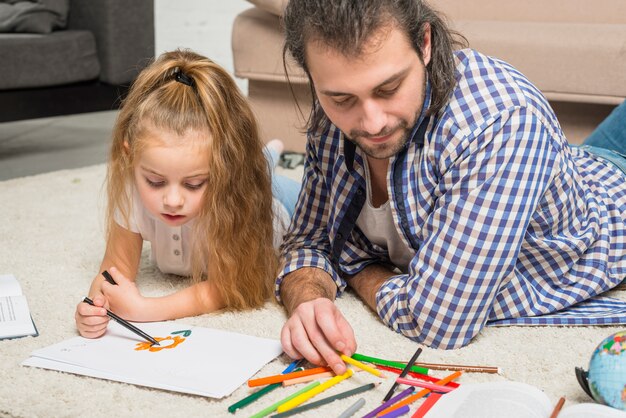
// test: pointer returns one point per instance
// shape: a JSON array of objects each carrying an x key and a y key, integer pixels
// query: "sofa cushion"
[
  {"x": 42, "y": 16},
  {"x": 569, "y": 61},
  {"x": 553, "y": 11},
  {"x": 63, "y": 57},
  {"x": 583, "y": 62},
  {"x": 254, "y": 27}
]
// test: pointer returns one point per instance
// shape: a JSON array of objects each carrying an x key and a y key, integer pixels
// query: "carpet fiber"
[{"x": 51, "y": 239}]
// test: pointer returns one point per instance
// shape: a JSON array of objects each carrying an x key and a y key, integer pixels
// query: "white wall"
[{"x": 202, "y": 25}]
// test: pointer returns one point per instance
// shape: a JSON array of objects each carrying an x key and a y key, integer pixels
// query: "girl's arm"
[
  {"x": 124, "y": 252},
  {"x": 127, "y": 301}
]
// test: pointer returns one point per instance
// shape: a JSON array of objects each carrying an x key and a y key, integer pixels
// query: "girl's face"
[{"x": 171, "y": 179}]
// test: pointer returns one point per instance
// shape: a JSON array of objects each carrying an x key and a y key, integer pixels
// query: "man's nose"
[{"x": 374, "y": 118}]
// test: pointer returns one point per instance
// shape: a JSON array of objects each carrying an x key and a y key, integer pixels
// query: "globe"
[{"x": 607, "y": 371}]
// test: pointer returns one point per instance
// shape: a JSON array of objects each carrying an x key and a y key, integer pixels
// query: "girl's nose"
[{"x": 173, "y": 198}]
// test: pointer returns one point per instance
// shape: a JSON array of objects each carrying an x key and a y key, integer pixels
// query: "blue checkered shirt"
[{"x": 507, "y": 222}]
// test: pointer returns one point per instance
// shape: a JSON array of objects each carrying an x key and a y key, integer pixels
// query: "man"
[{"x": 438, "y": 186}]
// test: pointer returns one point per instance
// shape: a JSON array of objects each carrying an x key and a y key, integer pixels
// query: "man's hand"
[{"x": 316, "y": 329}]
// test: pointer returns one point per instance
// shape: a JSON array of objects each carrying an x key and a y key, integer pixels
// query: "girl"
[{"x": 187, "y": 172}]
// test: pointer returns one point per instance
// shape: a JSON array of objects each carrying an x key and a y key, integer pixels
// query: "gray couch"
[{"x": 85, "y": 67}]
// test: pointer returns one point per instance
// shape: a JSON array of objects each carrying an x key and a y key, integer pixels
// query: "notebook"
[{"x": 15, "y": 319}]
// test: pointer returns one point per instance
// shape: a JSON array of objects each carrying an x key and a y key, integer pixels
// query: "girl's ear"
[{"x": 126, "y": 147}]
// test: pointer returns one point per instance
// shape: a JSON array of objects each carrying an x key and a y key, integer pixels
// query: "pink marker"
[{"x": 425, "y": 385}]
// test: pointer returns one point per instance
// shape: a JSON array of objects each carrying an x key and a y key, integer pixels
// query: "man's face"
[{"x": 376, "y": 97}]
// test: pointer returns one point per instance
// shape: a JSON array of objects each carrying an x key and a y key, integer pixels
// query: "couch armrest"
[{"x": 124, "y": 32}]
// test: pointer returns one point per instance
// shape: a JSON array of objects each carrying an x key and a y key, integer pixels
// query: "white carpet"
[{"x": 51, "y": 240}]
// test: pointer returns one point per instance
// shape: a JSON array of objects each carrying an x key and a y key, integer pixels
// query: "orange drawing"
[{"x": 166, "y": 343}]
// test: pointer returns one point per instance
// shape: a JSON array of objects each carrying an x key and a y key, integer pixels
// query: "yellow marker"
[
  {"x": 315, "y": 391},
  {"x": 362, "y": 366}
]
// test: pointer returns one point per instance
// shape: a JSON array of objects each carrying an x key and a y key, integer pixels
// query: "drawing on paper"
[{"x": 171, "y": 341}]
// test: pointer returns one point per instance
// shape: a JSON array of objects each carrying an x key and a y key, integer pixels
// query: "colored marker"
[
  {"x": 362, "y": 366},
  {"x": 403, "y": 374},
  {"x": 401, "y": 395},
  {"x": 300, "y": 399},
  {"x": 352, "y": 409},
  {"x": 419, "y": 394},
  {"x": 396, "y": 364},
  {"x": 273, "y": 407},
  {"x": 397, "y": 412},
  {"x": 126, "y": 324},
  {"x": 268, "y": 380},
  {"x": 256, "y": 395},
  {"x": 326, "y": 400},
  {"x": 425, "y": 385}
]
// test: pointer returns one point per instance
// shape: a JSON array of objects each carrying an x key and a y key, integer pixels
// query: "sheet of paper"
[
  {"x": 193, "y": 360},
  {"x": 9, "y": 286}
]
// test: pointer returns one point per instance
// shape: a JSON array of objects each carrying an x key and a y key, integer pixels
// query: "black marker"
[{"x": 119, "y": 320}]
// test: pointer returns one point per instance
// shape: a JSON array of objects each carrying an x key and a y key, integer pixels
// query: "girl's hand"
[
  {"x": 124, "y": 298},
  {"x": 92, "y": 321}
]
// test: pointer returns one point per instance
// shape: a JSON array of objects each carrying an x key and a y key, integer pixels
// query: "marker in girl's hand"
[
  {"x": 108, "y": 277},
  {"x": 123, "y": 322}
]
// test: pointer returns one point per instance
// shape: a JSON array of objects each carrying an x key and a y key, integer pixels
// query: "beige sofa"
[{"x": 573, "y": 50}]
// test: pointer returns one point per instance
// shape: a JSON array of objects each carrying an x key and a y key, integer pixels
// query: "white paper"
[
  {"x": 510, "y": 400},
  {"x": 493, "y": 400},
  {"x": 206, "y": 362},
  {"x": 15, "y": 320},
  {"x": 9, "y": 286}
]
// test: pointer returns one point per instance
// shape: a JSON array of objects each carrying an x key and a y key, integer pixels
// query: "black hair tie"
[{"x": 182, "y": 77}]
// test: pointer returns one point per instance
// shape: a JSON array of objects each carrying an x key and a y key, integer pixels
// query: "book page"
[
  {"x": 9, "y": 286},
  {"x": 493, "y": 400},
  {"x": 15, "y": 320},
  {"x": 586, "y": 410}
]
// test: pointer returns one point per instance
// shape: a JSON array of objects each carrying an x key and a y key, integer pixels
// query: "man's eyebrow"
[{"x": 390, "y": 79}]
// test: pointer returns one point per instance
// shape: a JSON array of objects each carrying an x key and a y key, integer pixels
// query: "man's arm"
[
  {"x": 368, "y": 281},
  {"x": 472, "y": 239},
  {"x": 304, "y": 285}
]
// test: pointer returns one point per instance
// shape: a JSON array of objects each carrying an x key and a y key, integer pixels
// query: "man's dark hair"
[{"x": 346, "y": 25}]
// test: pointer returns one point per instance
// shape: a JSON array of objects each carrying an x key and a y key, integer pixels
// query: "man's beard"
[
  {"x": 386, "y": 149},
  {"x": 390, "y": 147}
]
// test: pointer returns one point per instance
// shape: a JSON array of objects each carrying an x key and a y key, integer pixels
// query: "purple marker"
[
  {"x": 403, "y": 394},
  {"x": 397, "y": 412}
]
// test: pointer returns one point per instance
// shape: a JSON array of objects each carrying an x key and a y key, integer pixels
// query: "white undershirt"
[
  {"x": 379, "y": 227},
  {"x": 171, "y": 246}
]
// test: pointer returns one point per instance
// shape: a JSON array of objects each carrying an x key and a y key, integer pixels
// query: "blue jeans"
[
  {"x": 284, "y": 189},
  {"x": 609, "y": 139}
]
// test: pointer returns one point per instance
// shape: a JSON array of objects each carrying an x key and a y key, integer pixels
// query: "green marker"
[
  {"x": 394, "y": 364},
  {"x": 256, "y": 395},
  {"x": 273, "y": 408}
]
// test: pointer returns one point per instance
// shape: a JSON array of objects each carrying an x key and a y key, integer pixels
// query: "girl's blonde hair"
[{"x": 233, "y": 233}]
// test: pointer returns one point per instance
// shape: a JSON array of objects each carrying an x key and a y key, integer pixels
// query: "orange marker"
[
  {"x": 305, "y": 379},
  {"x": 419, "y": 394},
  {"x": 268, "y": 380}
]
